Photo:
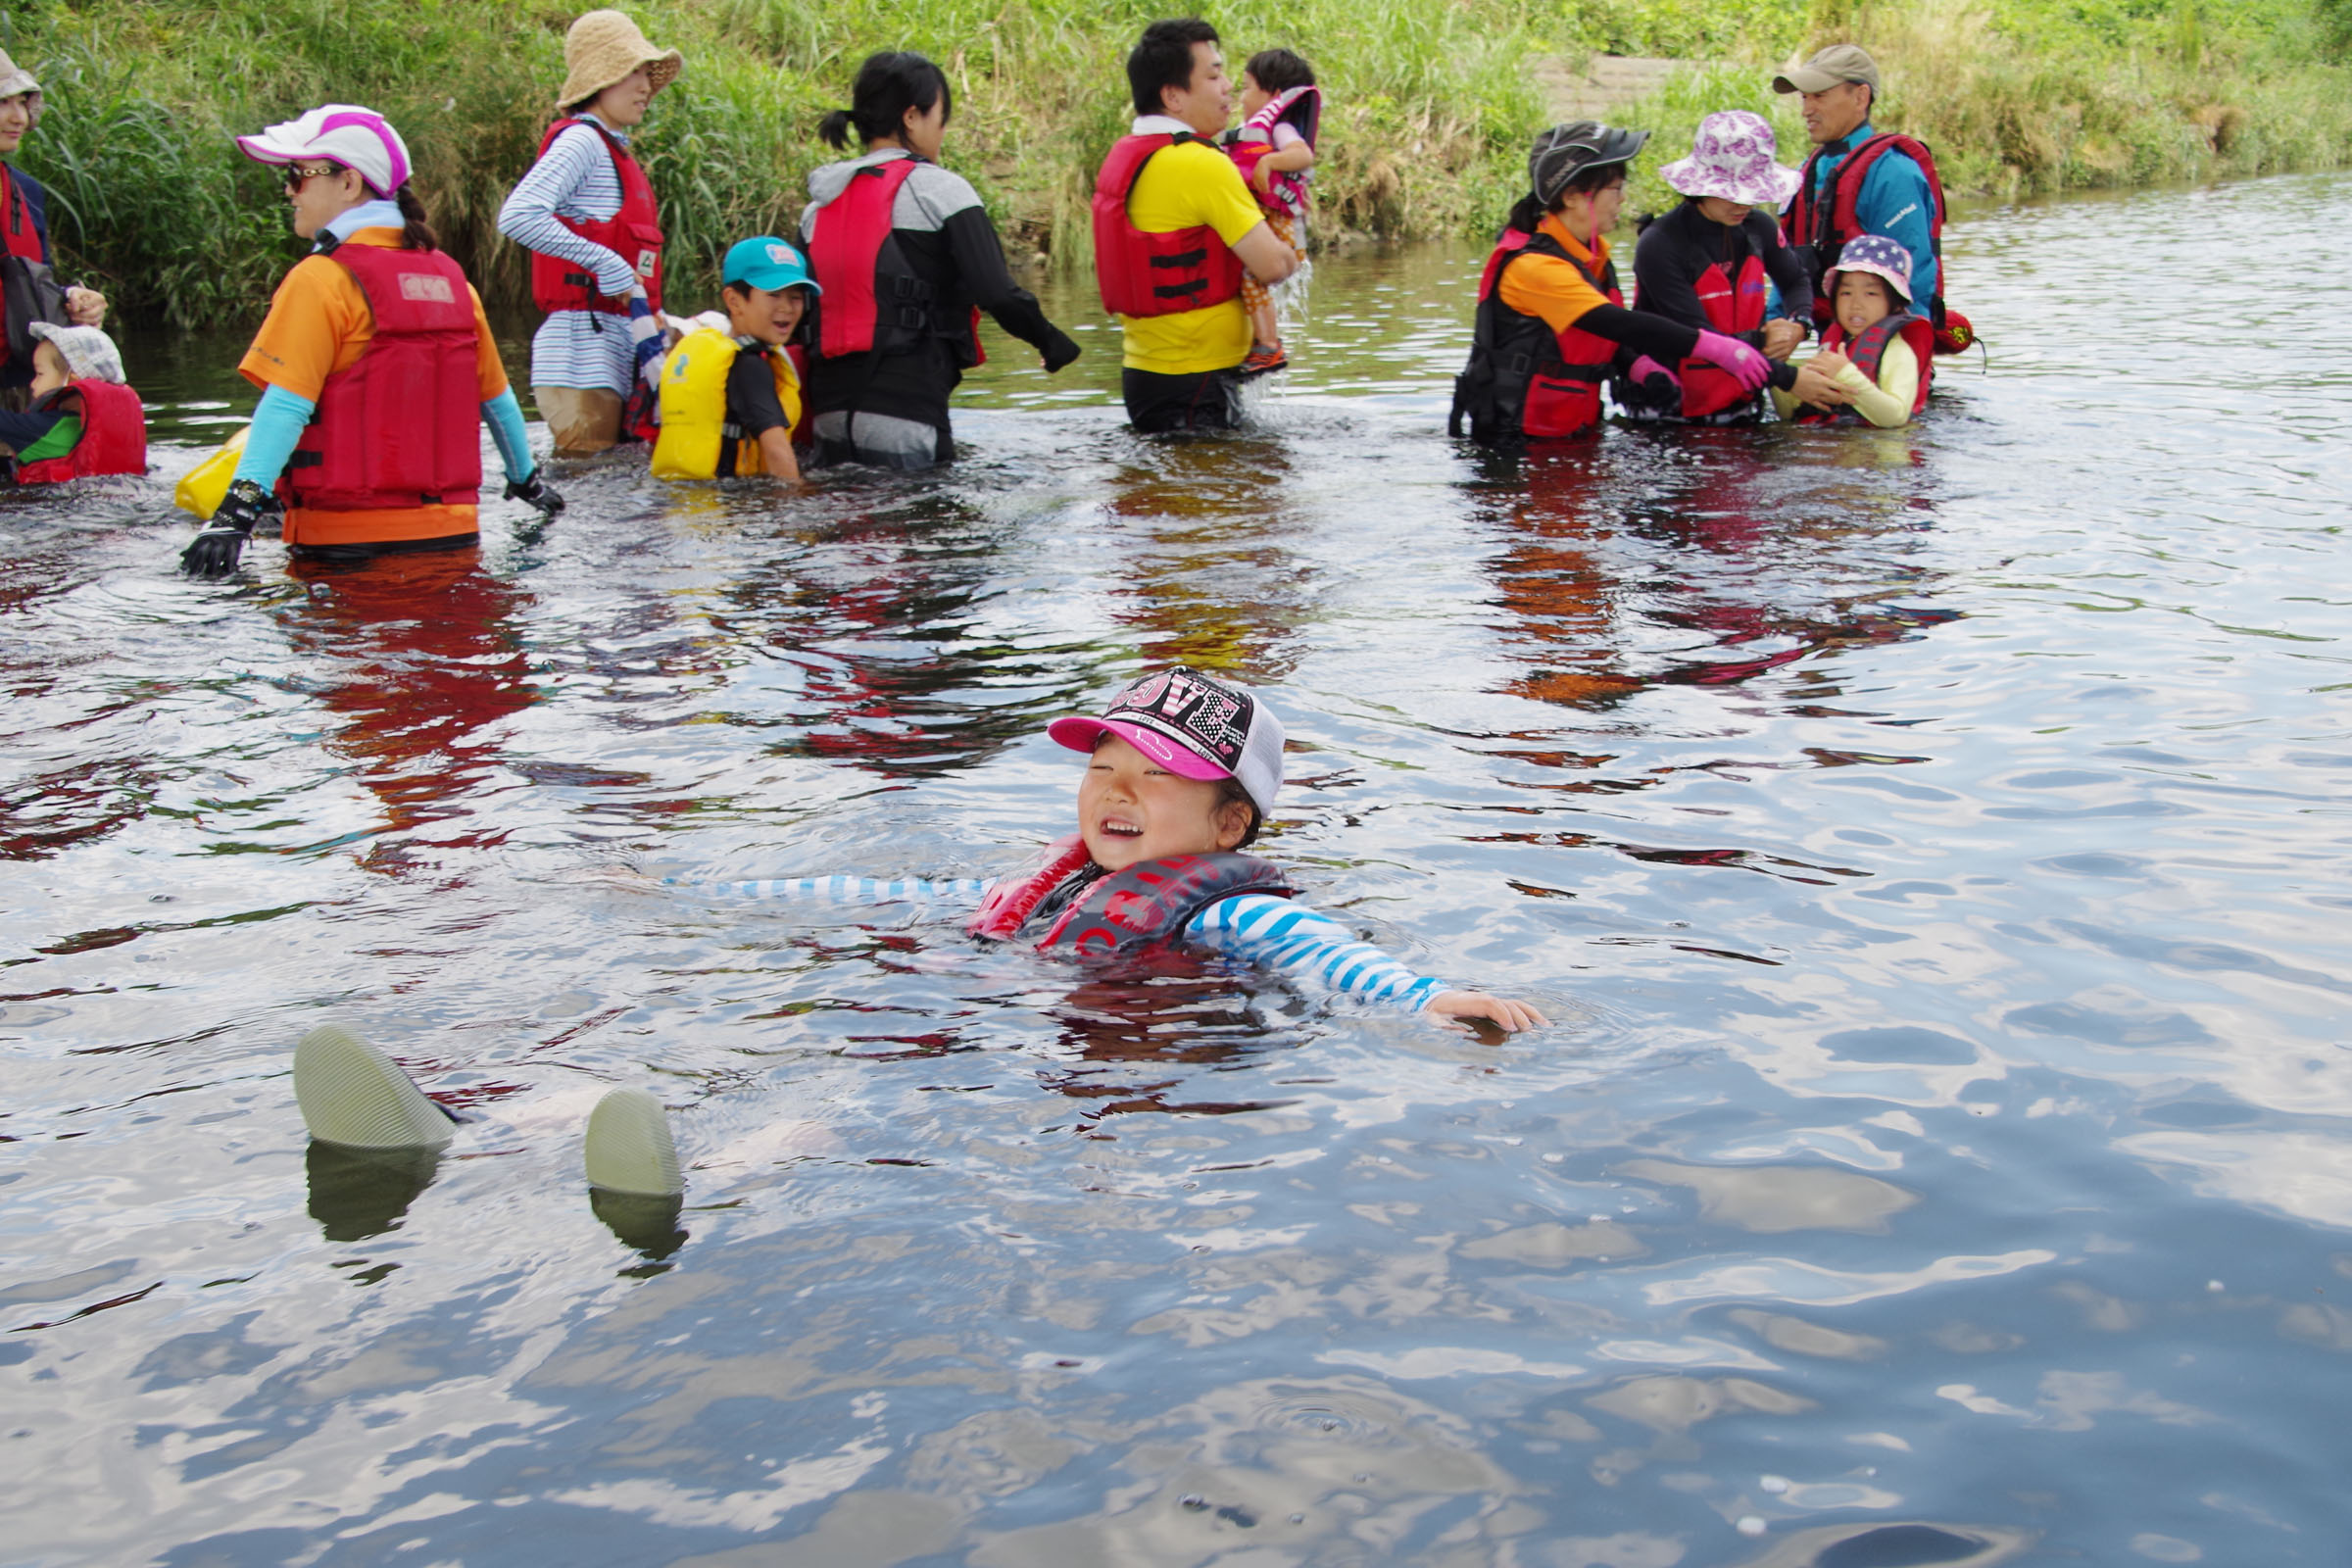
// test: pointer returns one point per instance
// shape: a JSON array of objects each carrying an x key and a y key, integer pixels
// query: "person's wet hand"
[
  {"x": 1750, "y": 368},
  {"x": 1814, "y": 387},
  {"x": 533, "y": 491},
  {"x": 214, "y": 552},
  {"x": 1505, "y": 1015},
  {"x": 1058, "y": 350},
  {"x": 1782, "y": 338},
  {"x": 1654, "y": 378}
]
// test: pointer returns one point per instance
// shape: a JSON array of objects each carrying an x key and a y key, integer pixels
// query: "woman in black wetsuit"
[
  {"x": 907, "y": 257},
  {"x": 1706, "y": 265}
]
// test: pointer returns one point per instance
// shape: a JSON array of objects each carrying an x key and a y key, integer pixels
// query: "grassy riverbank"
[{"x": 1432, "y": 104}]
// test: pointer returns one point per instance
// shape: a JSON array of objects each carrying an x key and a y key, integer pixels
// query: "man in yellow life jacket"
[{"x": 730, "y": 400}]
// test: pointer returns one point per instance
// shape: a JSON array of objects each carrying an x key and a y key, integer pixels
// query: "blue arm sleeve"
[
  {"x": 1281, "y": 934},
  {"x": 504, "y": 416},
  {"x": 1896, "y": 202},
  {"x": 277, "y": 422},
  {"x": 964, "y": 891}
]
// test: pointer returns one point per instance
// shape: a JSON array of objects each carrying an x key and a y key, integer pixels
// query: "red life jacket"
[
  {"x": 1867, "y": 351},
  {"x": 873, "y": 301},
  {"x": 1123, "y": 910},
  {"x": 402, "y": 427},
  {"x": 1154, "y": 274},
  {"x": 1525, "y": 381},
  {"x": 634, "y": 234},
  {"x": 1299, "y": 108},
  {"x": 1825, "y": 225},
  {"x": 113, "y": 434},
  {"x": 1734, "y": 306}
]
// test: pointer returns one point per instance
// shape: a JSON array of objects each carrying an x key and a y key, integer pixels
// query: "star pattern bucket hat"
[
  {"x": 1732, "y": 158},
  {"x": 1880, "y": 257}
]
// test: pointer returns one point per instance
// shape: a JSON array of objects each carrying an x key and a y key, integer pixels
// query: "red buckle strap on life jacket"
[
  {"x": 1868, "y": 351},
  {"x": 114, "y": 435},
  {"x": 633, "y": 233},
  {"x": 1149, "y": 903},
  {"x": 1153, "y": 274},
  {"x": 1014, "y": 899},
  {"x": 849, "y": 254},
  {"x": 24, "y": 237},
  {"x": 1735, "y": 305},
  {"x": 401, "y": 427}
]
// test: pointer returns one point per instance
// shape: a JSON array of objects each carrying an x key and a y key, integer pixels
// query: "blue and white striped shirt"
[
  {"x": 1275, "y": 932},
  {"x": 576, "y": 179}
]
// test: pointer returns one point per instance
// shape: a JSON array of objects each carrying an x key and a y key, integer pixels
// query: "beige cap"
[
  {"x": 15, "y": 78},
  {"x": 602, "y": 48},
  {"x": 1840, "y": 62}
]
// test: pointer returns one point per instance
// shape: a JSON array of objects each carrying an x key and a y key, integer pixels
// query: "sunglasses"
[{"x": 297, "y": 175}]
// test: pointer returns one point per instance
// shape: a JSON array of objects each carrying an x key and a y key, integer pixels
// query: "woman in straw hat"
[
  {"x": 586, "y": 214},
  {"x": 1711, "y": 263},
  {"x": 376, "y": 368},
  {"x": 25, "y": 238}
]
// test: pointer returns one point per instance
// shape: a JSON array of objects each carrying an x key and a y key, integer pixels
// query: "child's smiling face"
[
  {"x": 770, "y": 315},
  {"x": 1863, "y": 298},
  {"x": 1253, "y": 97},
  {"x": 1131, "y": 810}
]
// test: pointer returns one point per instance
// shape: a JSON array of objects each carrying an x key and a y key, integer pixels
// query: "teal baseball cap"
[{"x": 768, "y": 263}]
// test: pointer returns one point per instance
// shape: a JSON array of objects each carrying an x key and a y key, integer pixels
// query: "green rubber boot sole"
[
  {"x": 629, "y": 1147},
  {"x": 353, "y": 1093}
]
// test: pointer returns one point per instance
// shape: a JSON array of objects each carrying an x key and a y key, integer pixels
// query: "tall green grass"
[
  {"x": 1431, "y": 102},
  {"x": 1431, "y": 106}
]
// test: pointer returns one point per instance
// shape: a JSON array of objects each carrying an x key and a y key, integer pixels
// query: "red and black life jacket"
[
  {"x": 634, "y": 234},
  {"x": 113, "y": 434},
  {"x": 1121, "y": 912},
  {"x": 402, "y": 427},
  {"x": 1154, "y": 274},
  {"x": 1735, "y": 305},
  {"x": 1867, "y": 351},
  {"x": 1823, "y": 226},
  {"x": 1526, "y": 382},
  {"x": 873, "y": 300}
]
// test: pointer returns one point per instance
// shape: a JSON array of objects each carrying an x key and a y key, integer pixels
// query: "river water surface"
[{"x": 1930, "y": 845}]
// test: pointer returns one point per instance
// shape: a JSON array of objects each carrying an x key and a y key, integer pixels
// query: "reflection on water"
[{"x": 1926, "y": 839}]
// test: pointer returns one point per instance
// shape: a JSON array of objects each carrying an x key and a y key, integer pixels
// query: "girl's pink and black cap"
[{"x": 1194, "y": 725}]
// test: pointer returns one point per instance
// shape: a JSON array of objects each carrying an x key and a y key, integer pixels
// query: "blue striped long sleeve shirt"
[
  {"x": 576, "y": 179},
  {"x": 1272, "y": 932}
]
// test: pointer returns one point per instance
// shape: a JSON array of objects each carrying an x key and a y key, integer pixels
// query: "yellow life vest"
[{"x": 694, "y": 408}]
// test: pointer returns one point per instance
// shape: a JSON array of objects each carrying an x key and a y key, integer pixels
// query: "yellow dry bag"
[
  {"x": 202, "y": 488},
  {"x": 694, "y": 408}
]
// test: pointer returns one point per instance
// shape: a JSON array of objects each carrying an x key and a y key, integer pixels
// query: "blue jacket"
[{"x": 1895, "y": 201}]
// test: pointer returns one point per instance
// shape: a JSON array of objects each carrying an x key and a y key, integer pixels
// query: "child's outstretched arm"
[{"x": 1285, "y": 935}]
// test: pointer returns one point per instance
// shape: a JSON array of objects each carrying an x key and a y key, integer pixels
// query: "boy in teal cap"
[{"x": 730, "y": 399}]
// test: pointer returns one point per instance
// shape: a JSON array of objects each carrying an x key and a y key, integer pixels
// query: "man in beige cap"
[
  {"x": 586, "y": 213},
  {"x": 1859, "y": 181},
  {"x": 25, "y": 229}
]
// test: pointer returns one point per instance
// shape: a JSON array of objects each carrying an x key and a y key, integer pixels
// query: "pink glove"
[
  {"x": 1748, "y": 367},
  {"x": 1648, "y": 369}
]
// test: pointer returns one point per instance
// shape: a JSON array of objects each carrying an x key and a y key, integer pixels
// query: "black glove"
[
  {"x": 533, "y": 491},
  {"x": 214, "y": 552},
  {"x": 1057, "y": 349}
]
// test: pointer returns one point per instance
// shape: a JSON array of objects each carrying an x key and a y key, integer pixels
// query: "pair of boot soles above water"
[{"x": 377, "y": 1139}]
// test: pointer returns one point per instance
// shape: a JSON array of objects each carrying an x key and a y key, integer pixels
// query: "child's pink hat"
[{"x": 1194, "y": 725}]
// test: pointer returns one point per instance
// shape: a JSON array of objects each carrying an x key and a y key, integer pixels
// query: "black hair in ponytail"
[
  {"x": 888, "y": 85},
  {"x": 417, "y": 234}
]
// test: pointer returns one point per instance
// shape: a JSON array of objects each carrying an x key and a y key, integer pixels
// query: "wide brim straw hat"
[
  {"x": 602, "y": 48},
  {"x": 1732, "y": 158},
  {"x": 15, "y": 80}
]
